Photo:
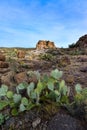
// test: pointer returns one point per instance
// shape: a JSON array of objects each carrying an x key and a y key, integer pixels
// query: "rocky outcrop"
[
  {"x": 45, "y": 44},
  {"x": 21, "y": 54},
  {"x": 81, "y": 43}
]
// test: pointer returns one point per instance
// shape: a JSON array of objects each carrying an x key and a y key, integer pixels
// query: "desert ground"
[{"x": 17, "y": 62}]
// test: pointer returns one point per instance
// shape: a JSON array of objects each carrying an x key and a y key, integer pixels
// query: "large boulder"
[
  {"x": 21, "y": 54},
  {"x": 2, "y": 57},
  {"x": 7, "y": 79},
  {"x": 43, "y": 44},
  {"x": 20, "y": 77},
  {"x": 3, "y": 63}
]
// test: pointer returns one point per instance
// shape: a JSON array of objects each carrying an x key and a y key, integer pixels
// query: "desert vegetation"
[{"x": 40, "y": 86}]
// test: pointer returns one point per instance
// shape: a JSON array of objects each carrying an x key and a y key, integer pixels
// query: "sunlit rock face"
[{"x": 43, "y": 44}]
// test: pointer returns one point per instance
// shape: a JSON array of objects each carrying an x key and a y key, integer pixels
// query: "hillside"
[{"x": 17, "y": 66}]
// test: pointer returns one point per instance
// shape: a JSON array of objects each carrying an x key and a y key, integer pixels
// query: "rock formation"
[
  {"x": 21, "y": 54},
  {"x": 45, "y": 44},
  {"x": 2, "y": 57},
  {"x": 81, "y": 43},
  {"x": 3, "y": 64}
]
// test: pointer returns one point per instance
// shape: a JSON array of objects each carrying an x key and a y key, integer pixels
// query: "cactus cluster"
[{"x": 48, "y": 89}]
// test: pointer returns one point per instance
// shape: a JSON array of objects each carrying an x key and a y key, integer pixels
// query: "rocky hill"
[{"x": 81, "y": 43}]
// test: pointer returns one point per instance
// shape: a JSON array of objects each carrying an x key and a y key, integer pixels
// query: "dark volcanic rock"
[
  {"x": 45, "y": 44},
  {"x": 55, "y": 52},
  {"x": 64, "y": 122}
]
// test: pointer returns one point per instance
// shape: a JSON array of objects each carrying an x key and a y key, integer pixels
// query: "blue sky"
[{"x": 24, "y": 22}]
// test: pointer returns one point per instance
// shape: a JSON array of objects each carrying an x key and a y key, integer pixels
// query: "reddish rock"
[
  {"x": 21, "y": 54},
  {"x": 20, "y": 77},
  {"x": 2, "y": 57},
  {"x": 45, "y": 44},
  {"x": 4, "y": 64},
  {"x": 7, "y": 79}
]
